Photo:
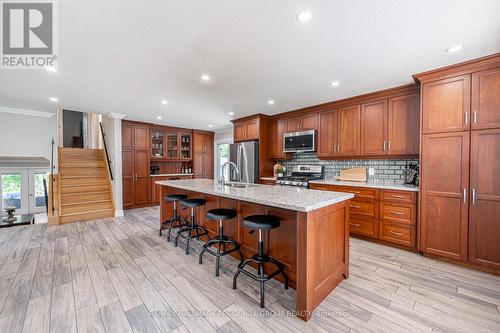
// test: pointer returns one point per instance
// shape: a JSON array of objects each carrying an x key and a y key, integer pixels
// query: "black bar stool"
[
  {"x": 188, "y": 229},
  {"x": 220, "y": 214},
  {"x": 175, "y": 221},
  {"x": 261, "y": 222}
]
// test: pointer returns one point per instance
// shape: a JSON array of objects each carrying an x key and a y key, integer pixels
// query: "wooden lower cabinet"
[
  {"x": 386, "y": 215},
  {"x": 484, "y": 213},
  {"x": 155, "y": 189},
  {"x": 444, "y": 191}
]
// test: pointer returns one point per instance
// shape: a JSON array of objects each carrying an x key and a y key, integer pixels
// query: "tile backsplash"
[{"x": 386, "y": 171}]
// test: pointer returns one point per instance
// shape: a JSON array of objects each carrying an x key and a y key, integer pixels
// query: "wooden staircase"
[{"x": 84, "y": 183}]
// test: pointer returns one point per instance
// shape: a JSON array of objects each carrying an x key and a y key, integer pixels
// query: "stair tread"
[
  {"x": 88, "y": 212},
  {"x": 86, "y": 202},
  {"x": 86, "y": 192}
]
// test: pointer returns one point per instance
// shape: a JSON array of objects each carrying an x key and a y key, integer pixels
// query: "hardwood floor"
[{"x": 118, "y": 275}]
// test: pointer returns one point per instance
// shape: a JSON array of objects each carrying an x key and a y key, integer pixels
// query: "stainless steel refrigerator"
[{"x": 246, "y": 157}]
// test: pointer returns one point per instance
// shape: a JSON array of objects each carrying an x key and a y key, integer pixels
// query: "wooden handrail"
[
  {"x": 52, "y": 177},
  {"x": 106, "y": 150}
]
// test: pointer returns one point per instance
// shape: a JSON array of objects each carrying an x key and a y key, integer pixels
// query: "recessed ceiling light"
[
  {"x": 205, "y": 77},
  {"x": 164, "y": 102},
  {"x": 304, "y": 16},
  {"x": 270, "y": 102},
  {"x": 335, "y": 83},
  {"x": 231, "y": 113},
  {"x": 454, "y": 48},
  {"x": 210, "y": 125},
  {"x": 53, "y": 99},
  {"x": 51, "y": 69},
  {"x": 159, "y": 117}
]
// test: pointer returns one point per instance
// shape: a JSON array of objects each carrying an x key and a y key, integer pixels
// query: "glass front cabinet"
[
  {"x": 185, "y": 146},
  {"x": 157, "y": 143}
]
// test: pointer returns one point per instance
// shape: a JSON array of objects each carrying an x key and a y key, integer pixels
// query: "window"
[
  {"x": 222, "y": 157},
  {"x": 39, "y": 191},
  {"x": 11, "y": 190}
]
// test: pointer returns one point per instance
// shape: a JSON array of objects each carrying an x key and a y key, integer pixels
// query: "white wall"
[
  {"x": 26, "y": 136},
  {"x": 112, "y": 129}
]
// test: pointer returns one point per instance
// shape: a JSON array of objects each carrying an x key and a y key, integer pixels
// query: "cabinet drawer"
[
  {"x": 363, "y": 208},
  {"x": 359, "y": 192},
  {"x": 323, "y": 187},
  {"x": 364, "y": 227},
  {"x": 397, "y": 233},
  {"x": 399, "y": 196},
  {"x": 398, "y": 212}
]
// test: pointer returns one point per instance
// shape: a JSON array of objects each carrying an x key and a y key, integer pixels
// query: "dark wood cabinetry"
[
  {"x": 374, "y": 128},
  {"x": 460, "y": 163},
  {"x": 484, "y": 220},
  {"x": 246, "y": 130},
  {"x": 403, "y": 125},
  {"x": 203, "y": 154},
  {"x": 486, "y": 99},
  {"x": 301, "y": 123},
  {"x": 135, "y": 165},
  {"x": 276, "y": 131},
  {"x": 349, "y": 121},
  {"x": 327, "y": 136},
  {"x": 446, "y": 105}
]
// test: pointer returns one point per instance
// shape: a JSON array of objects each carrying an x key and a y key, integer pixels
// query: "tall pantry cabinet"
[{"x": 460, "y": 162}]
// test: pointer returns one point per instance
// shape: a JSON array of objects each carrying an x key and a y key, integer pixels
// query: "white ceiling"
[{"x": 126, "y": 56}]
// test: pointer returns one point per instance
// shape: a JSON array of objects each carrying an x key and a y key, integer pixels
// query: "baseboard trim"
[{"x": 118, "y": 212}]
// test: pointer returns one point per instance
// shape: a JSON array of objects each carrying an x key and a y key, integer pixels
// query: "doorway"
[
  {"x": 74, "y": 129},
  {"x": 23, "y": 189}
]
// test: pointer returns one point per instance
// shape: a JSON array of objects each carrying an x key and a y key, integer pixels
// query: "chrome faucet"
[{"x": 238, "y": 174}]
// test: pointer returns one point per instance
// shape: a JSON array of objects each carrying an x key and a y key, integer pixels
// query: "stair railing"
[
  {"x": 52, "y": 177},
  {"x": 106, "y": 150}
]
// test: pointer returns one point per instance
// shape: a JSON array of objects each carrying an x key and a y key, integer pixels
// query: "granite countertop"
[
  {"x": 369, "y": 183},
  {"x": 171, "y": 174},
  {"x": 287, "y": 197}
]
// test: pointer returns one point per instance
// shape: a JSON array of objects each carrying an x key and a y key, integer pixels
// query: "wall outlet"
[{"x": 371, "y": 171}]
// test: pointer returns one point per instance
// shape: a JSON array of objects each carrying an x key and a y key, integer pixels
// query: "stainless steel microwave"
[{"x": 299, "y": 142}]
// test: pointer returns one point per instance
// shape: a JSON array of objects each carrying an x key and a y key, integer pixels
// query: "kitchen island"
[{"x": 312, "y": 241}]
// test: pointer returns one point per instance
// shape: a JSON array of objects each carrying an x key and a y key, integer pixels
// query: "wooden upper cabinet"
[
  {"x": 302, "y": 123},
  {"x": 486, "y": 99},
  {"x": 252, "y": 132},
  {"x": 246, "y": 130},
  {"x": 141, "y": 137},
  {"x": 203, "y": 156},
  {"x": 374, "y": 128},
  {"x": 446, "y": 105},
  {"x": 277, "y": 128},
  {"x": 127, "y": 136},
  {"x": 484, "y": 226},
  {"x": 403, "y": 125},
  {"x": 349, "y": 121},
  {"x": 327, "y": 134},
  {"x": 445, "y": 194}
]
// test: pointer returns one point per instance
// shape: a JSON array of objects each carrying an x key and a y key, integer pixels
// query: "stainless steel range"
[{"x": 301, "y": 175}]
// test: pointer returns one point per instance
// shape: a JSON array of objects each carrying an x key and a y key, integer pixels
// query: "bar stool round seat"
[
  {"x": 192, "y": 230},
  {"x": 221, "y": 214},
  {"x": 174, "y": 197},
  {"x": 193, "y": 202},
  {"x": 175, "y": 221},
  {"x": 260, "y": 223}
]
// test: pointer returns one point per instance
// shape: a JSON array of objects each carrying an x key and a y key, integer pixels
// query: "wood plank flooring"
[{"x": 118, "y": 275}]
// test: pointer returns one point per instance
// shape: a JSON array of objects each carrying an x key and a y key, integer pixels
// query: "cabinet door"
[
  {"x": 141, "y": 137},
  {"x": 127, "y": 136},
  {"x": 198, "y": 158},
  {"x": 142, "y": 189},
  {"x": 309, "y": 122},
  {"x": 445, "y": 199},
  {"x": 208, "y": 165},
  {"x": 198, "y": 142},
  {"x": 349, "y": 131},
  {"x": 156, "y": 190},
  {"x": 484, "y": 233},
  {"x": 252, "y": 131},
  {"x": 327, "y": 134},
  {"x": 374, "y": 128},
  {"x": 486, "y": 99},
  {"x": 293, "y": 124},
  {"x": 276, "y": 139},
  {"x": 239, "y": 131},
  {"x": 446, "y": 105},
  {"x": 403, "y": 125},
  {"x": 172, "y": 145},
  {"x": 128, "y": 178}
]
